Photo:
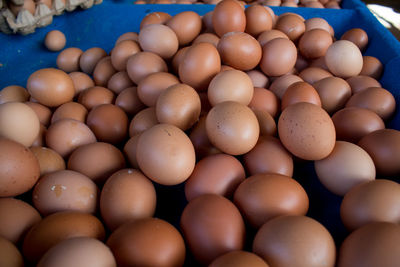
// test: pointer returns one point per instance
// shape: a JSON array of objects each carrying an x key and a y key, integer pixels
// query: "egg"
[
  {"x": 147, "y": 242},
  {"x": 58, "y": 227},
  {"x": 238, "y": 258},
  {"x": 130, "y": 151},
  {"x": 103, "y": 71},
  {"x": 266, "y": 122},
  {"x": 51, "y": 87},
  {"x": 384, "y": 148},
  {"x": 208, "y": 239},
  {"x": 258, "y": 20},
  {"x": 292, "y": 25},
  {"x": 186, "y": 25},
  {"x": 206, "y": 38},
  {"x": 372, "y": 67},
  {"x": 128, "y": 36},
  {"x": 228, "y": 16},
  {"x": 374, "y": 201},
  {"x": 307, "y": 131},
  {"x": 68, "y": 59},
  {"x": 9, "y": 254},
  {"x": 280, "y": 85},
  {"x": 333, "y": 92},
  {"x": 277, "y": 242},
  {"x": 318, "y": 23},
  {"x": 97, "y": 161},
  {"x": 347, "y": 166},
  {"x": 358, "y": 36},
  {"x": 95, "y": 96},
  {"x": 119, "y": 81},
  {"x": 55, "y": 40},
  {"x": 49, "y": 160},
  {"x": 40, "y": 139},
  {"x": 143, "y": 120},
  {"x": 258, "y": 78},
  {"x": 344, "y": 59},
  {"x": 198, "y": 137},
  {"x": 70, "y": 110},
  {"x": 13, "y": 93},
  {"x": 268, "y": 35},
  {"x": 312, "y": 75},
  {"x": 127, "y": 195},
  {"x": 129, "y": 101},
  {"x": 278, "y": 57},
  {"x": 17, "y": 217},
  {"x": 81, "y": 81},
  {"x": 300, "y": 92},
  {"x": 314, "y": 43},
  {"x": 78, "y": 252},
  {"x": 380, "y": 250},
  {"x": 142, "y": 64},
  {"x": 159, "y": 39},
  {"x": 161, "y": 163},
  {"x": 121, "y": 52},
  {"x": 360, "y": 83},
  {"x": 264, "y": 100},
  {"x": 90, "y": 58},
  {"x": 155, "y": 18}
]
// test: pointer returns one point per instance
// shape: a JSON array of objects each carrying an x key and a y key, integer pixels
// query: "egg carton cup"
[{"x": 25, "y": 23}]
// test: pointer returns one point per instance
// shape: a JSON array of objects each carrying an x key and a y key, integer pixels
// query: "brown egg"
[
  {"x": 292, "y": 25},
  {"x": 43, "y": 113},
  {"x": 300, "y": 92},
  {"x": 277, "y": 242},
  {"x": 377, "y": 99},
  {"x": 51, "y": 87},
  {"x": 133, "y": 36},
  {"x": 178, "y": 105},
  {"x": 238, "y": 258},
  {"x": 70, "y": 110},
  {"x": 97, "y": 161},
  {"x": 347, "y": 166},
  {"x": 301, "y": 63},
  {"x": 215, "y": 174},
  {"x": 333, "y": 92},
  {"x": 103, "y": 71},
  {"x": 263, "y": 197},
  {"x": 155, "y": 18},
  {"x": 372, "y": 67},
  {"x": 65, "y": 135},
  {"x": 150, "y": 87},
  {"x": 55, "y": 40},
  {"x": 90, "y": 58},
  {"x": 375, "y": 244},
  {"x": 142, "y": 64},
  {"x": 200, "y": 141},
  {"x": 239, "y": 50},
  {"x": 228, "y": 16},
  {"x": 119, "y": 81},
  {"x": 307, "y": 131},
  {"x": 314, "y": 43},
  {"x": 312, "y": 75},
  {"x": 81, "y": 81},
  {"x": 158, "y": 161},
  {"x": 230, "y": 85},
  {"x": 130, "y": 151},
  {"x": 374, "y": 201},
  {"x": 384, "y": 148},
  {"x": 143, "y": 120},
  {"x": 319, "y": 63},
  {"x": 258, "y": 78},
  {"x": 65, "y": 190},
  {"x": 9, "y": 254},
  {"x": 232, "y": 127},
  {"x": 186, "y": 25},
  {"x": 266, "y": 122},
  {"x": 58, "y": 227},
  {"x": 258, "y": 20},
  {"x": 129, "y": 101},
  {"x": 127, "y": 195},
  {"x": 78, "y": 252},
  {"x": 318, "y": 23},
  {"x": 40, "y": 139},
  {"x": 280, "y": 85},
  {"x": 68, "y": 59},
  {"x": 19, "y": 168},
  {"x": 272, "y": 2},
  {"x": 269, "y": 35},
  {"x": 17, "y": 217},
  {"x": 199, "y": 65},
  {"x": 147, "y": 242},
  {"x": 360, "y": 83},
  {"x": 13, "y": 93},
  {"x": 95, "y": 96},
  {"x": 332, "y": 4},
  {"x": 207, "y": 38},
  {"x": 159, "y": 39},
  {"x": 207, "y": 21},
  {"x": 268, "y": 156},
  {"x": 49, "y": 160},
  {"x": 121, "y": 52},
  {"x": 279, "y": 57},
  {"x": 358, "y": 36},
  {"x": 208, "y": 239},
  {"x": 344, "y": 59},
  {"x": 178, "y": 58},
  {"x": 264, "y": 100}
]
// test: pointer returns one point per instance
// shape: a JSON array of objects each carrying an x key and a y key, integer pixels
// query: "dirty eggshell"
[
  {"x": 347, "y": 166},
  {"x": 9, "y": 254},
  {"x": 277, "y": 242},
  {"x": 147, "y": 242},
  {"x": 165, "y": 154},
  {"x": 232, "y": 127},
  {"x": 208, "y": 239},
  {"x": 51, "y": 87},
  {"x": 278, "y": 57},
  {"x": 215, "y": 174},
  {"x": 78, "y": 252},
  {"x": 228, "y": 16},
  {"x": 263, "y": 197},
  {"x": 19, "y": 168},
  {"x": 375, "y": 244},
  {"x": 373, "y": 201},
  {"x": 307, "y": 131},
  {"x": 127, "y": 195},
  {"x": 49, "y": 160},
  {"x": 65, "y": 190}
]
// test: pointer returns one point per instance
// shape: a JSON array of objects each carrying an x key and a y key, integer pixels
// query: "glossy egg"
[
  {"x": 278, "y": 57},
  {"x": 228, "y": 16}
]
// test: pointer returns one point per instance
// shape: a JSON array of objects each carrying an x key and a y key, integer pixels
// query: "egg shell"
[
  {"x": 178, "y": 58},
  {"x": 238, "y": 258},
  {"x": 155, "y": 18},
  {"x": 90, "y": 58},
  {"x": 97, "y": 161},
  {"x": 268, "y": 35},
  {"x": 266, "y": 122},
  {"x": 103, "y": 71},
  {"x": 344, "y": 59},
  {"x": 147, "y": 242},
  {"x": 228, "y": 16},
  {"x": 258, "y": 19},
  {"x": 207, "y": 239},
  {"x": 119, "y": 81},
  {"x": 314, "y": 43},
  {"x": 81, "y": 81},
  {"x": 186, "y": 25},
  {"x": 55, "y": 40},
  {"x": 198, "y": 137},
  {"x": 292, "y": 25},
  {"x": 129, "y": 101},
  {"x": 9, "y": 254},
  {"x": 357, "y": 36},
  {"x": 43, "y": 113},
  {"x": 372, "y": 67},
  {"x": 121, "y": 52},
  {"x": 40, "y": 139},
  {"x": 207, "y": 38},
  {"x": 130, "y": 151},
  {"x": 70, "y": 110},
  {"x": 13, "y": 93},
  {"x": 128, "y": 36},
  {"x": 300, "y": 92},
  {"x": 360, "y": 83},
  {"x": 142, "y": 64},
  {"x": 312, "y": 75},
  {"x": 280, "y": 85},
  {"x": 159, "y": 39},
  {"x": 258, "y": 78},
  {"x": 143, "y": 120},
  {"x": 278, "y": 57},
  {"x": 68, "y": 59},
  {"x": 95, "y": 96},
  {"x": 49, "y": 160},
  {"x": 264, "y": 100},
  {"x": 307, "y": 131}
]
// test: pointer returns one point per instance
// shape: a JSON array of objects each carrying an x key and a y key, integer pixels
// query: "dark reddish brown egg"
[
  {"x": 300, "y": 92},
  {"x": 358, "y": 36},
  {"x": 258, "y": 19}
]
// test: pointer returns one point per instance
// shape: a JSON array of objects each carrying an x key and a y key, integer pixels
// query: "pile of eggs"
[{"x": 221, "y": 109}]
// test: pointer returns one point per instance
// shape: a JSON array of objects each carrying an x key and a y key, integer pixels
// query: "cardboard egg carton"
[{"x": 25, "y": 23}]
